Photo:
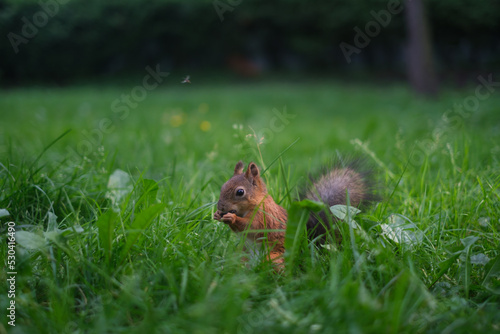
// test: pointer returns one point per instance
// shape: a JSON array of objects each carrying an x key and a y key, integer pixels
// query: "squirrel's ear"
[
  {"x": 252, "y": 172},
  {"x": 238, "y": 169}
]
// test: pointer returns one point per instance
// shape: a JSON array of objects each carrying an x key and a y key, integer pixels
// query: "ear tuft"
[
  {"x": 254, "y": 170},
  {"x": 238, "y": 169}
]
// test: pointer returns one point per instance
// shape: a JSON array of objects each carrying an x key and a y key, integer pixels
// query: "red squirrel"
[{"x": 245, "y": 205}]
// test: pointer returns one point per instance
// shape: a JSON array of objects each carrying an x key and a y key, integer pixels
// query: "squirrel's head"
[{"x": 242, "y": 192}]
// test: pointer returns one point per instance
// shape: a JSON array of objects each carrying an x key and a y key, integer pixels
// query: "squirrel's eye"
[{"x": 240, "y": 192}]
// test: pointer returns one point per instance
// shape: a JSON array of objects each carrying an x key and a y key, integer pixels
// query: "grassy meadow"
[{"x": 112, "y": 193}]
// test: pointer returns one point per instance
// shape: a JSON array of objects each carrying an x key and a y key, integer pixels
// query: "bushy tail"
[{"x": 354, "y": 179}]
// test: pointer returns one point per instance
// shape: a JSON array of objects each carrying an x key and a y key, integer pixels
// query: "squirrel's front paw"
[
  {"x": 217, "y": 215},
  {"x": 229, "y": 218}
]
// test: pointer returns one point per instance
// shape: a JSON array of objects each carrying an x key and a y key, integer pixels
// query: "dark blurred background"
[{"x": 66, "y": 41}]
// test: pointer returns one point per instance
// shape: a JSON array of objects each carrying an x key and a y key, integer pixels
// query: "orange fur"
[{"x": 246, "y": 206}]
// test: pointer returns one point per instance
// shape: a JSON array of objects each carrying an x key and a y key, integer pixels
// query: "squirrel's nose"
[{"x": 220, "y": 206}]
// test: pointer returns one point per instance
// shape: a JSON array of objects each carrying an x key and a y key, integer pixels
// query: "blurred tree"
[
  {"x": 58, "y": 41},
  {"x": 420, "y": 63}
]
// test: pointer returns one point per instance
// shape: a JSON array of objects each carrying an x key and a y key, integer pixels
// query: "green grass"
[{"x": 148, "y": 258}]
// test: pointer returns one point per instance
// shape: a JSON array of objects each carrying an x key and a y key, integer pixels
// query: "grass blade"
[
  {"x": 279, "y": 155},
  {"x": 141, "y": 222},
  {"x": 45, "y": 150},
  {"x": 106, "y": 226}
]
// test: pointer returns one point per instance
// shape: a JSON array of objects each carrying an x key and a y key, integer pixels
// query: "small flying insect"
[{"x": 186, "y": 80}]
